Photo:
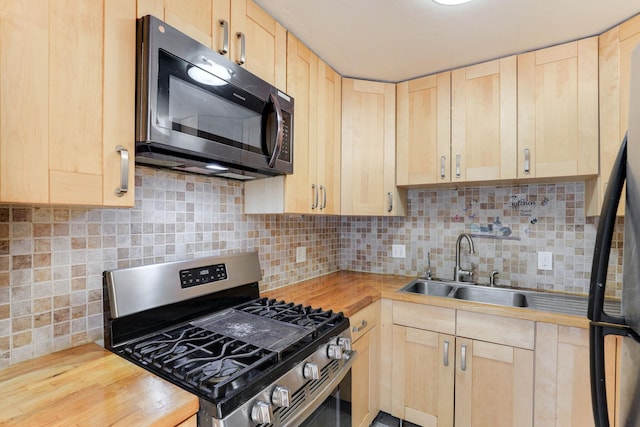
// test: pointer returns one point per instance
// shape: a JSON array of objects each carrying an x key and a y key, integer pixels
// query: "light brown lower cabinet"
[
  {"x": 452, "y": 367},
  {"x": 562, "y": 383},
  {"x": 423, "y": 376},
  {"x": 494, "y": 385},
  {"x": 365, "y": 372}
]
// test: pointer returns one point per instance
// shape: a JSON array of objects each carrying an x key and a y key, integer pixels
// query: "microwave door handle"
[{"x": 279, "y": 119}]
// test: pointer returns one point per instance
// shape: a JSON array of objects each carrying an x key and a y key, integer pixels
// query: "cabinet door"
[
  {"x": 494, "y": 385},
  {"x": 119, "y": 99},
  {"x": 615, "y": 47},
  {"x": 558, "y": 111},
  {"x": 24, "y": 125},
  {"x": 194, "y": 18},
  {"x": 424, "y": 130},
  {"x": 57, "y": 148},
  {"x": 325, "y": 149},
  {"x": 423, "y": 376},
  {"x": 368, "y": 149},
  {"x": 365, "y": 374},
  {"x": 483, "y": 121},
  {"x": 301, "y": 70},
  {"x": 265, "y": 42},
  {"x": 562, "y": 388}
]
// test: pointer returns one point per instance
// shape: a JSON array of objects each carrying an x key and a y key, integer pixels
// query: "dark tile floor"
[{"x": 385, "y": 420}]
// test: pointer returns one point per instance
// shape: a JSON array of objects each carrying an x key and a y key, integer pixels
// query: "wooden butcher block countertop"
[
  {"x": 89, "y": 386},
  {"x": 350, "y": 292}
]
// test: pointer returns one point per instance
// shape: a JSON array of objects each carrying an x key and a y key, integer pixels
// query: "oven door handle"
[{"x": 304, "y": 412}]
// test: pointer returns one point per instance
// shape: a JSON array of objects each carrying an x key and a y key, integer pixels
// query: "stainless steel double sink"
[
  {"x": 467, "y": 292},
  {"x": 545, "y": 301}
]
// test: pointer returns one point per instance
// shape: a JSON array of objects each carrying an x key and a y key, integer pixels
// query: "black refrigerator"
[{"x": 626, "y": 169}]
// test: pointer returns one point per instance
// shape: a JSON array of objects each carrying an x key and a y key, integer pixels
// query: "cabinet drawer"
[
  {"x": 496, "y": 329},
  {"x": 364, "y": 320},
  {"x": 438, "y": 319}
]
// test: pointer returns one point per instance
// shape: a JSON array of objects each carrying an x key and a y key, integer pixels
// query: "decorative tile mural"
[
  {"x": 508, "y": 224},
  {"x": 52, "y": 258}
]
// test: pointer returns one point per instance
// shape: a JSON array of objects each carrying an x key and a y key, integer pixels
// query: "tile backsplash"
[
  {"x": 52, "y": 258},
  {"x": 508, "y": 224}
]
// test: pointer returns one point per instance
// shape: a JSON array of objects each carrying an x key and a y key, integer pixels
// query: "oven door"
[
  {"x": 330, "y": 404},
  {"x": 335, "y": 410}
]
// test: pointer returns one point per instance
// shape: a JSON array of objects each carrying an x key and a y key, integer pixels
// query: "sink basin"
[
  {"x": 428, "y": 287},
  {"x": 491, "y": 296}
]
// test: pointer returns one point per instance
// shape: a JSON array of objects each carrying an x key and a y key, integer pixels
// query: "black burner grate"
[{"x": 211, "y": 363}]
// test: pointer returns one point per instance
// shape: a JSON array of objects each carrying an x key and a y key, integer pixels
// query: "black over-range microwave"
[{"x": 197, "y": 111}]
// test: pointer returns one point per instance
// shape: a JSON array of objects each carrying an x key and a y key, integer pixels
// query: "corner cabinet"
[
  {"x": 68, "y": 124},
  {"x": 615, "y": 47},
  {"x": 558, "y": 111},
  {"x": 369, "y": 150}
]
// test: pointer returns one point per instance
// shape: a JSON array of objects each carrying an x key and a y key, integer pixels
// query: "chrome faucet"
[
  {"x": 428, "y": 275},
  {"x": 459, "y": 273}
]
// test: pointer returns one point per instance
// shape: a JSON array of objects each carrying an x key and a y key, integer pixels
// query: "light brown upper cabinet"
[
  {"x": 255, "y": 39},
  {"x": 615, "y": 48},
  {"x": 238, "y": 29},
  {"x": 67, "y": 123},
  {"x": 325, "y": 150},
  {"x": 483, "y": 122},
  {"x": 558, "y": 111},
  {"x": 369, "y": 149},
  {"x": 423, "y": 136},
  {"x": 314, "y": 186},
  {"x": 192, "y": 18}
]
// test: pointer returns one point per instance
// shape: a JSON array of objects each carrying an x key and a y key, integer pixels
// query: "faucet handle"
[{"x": 492, "y": 277}]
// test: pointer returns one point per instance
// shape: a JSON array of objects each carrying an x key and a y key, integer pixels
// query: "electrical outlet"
[
  {"x": 301, "y": 254},
  {"x": 545, "y": 260},
  {"x": 398, "y": 251}
]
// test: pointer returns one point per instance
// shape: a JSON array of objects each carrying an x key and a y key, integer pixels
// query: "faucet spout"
[{"x": 459, "y": 273}]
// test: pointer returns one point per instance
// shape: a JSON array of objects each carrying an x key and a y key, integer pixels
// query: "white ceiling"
[{"x": 395, "y": 40}]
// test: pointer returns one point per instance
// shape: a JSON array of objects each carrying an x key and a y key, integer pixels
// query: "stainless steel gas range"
[{"x": 201, "y": 325}]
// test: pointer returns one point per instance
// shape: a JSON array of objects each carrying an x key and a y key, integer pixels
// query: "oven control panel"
[{"x": 202, "y": 275}]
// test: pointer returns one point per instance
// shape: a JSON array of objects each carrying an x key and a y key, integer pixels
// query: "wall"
[
  {"x": 510, "y": 224},
  {"x": 52, "y": 258}
]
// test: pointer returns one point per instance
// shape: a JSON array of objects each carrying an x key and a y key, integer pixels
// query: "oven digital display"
[{"x": 202, "y": 276}]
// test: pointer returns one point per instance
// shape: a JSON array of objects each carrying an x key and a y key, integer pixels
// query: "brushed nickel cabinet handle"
[
  {"x": 458, "y": 157},
  {"x": 446, "y": 353},
  {"x": 242, "y": 59},
  {"x": 323, "y": 189},
  {"x": 463, "y": 357},
  {"x": 361, "y": 327},
  {"x": 314, "y": 195},
  {"x": 390, "y": 199},
  {"x": 124, "y": 171},
  {"x": 224, "y": 26},
  {"x": 527, "y": 161},
  {"x": 443, "y": 171}
]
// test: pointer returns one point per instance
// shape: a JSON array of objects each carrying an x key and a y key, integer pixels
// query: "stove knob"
[
  {"x": 310, "y": 371},
  {"x": 280, "y": 397},
  {"x": 334, "y": 351},
  {"x": 261, "y": 413},
  {"x": 345, "y": 343}
]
